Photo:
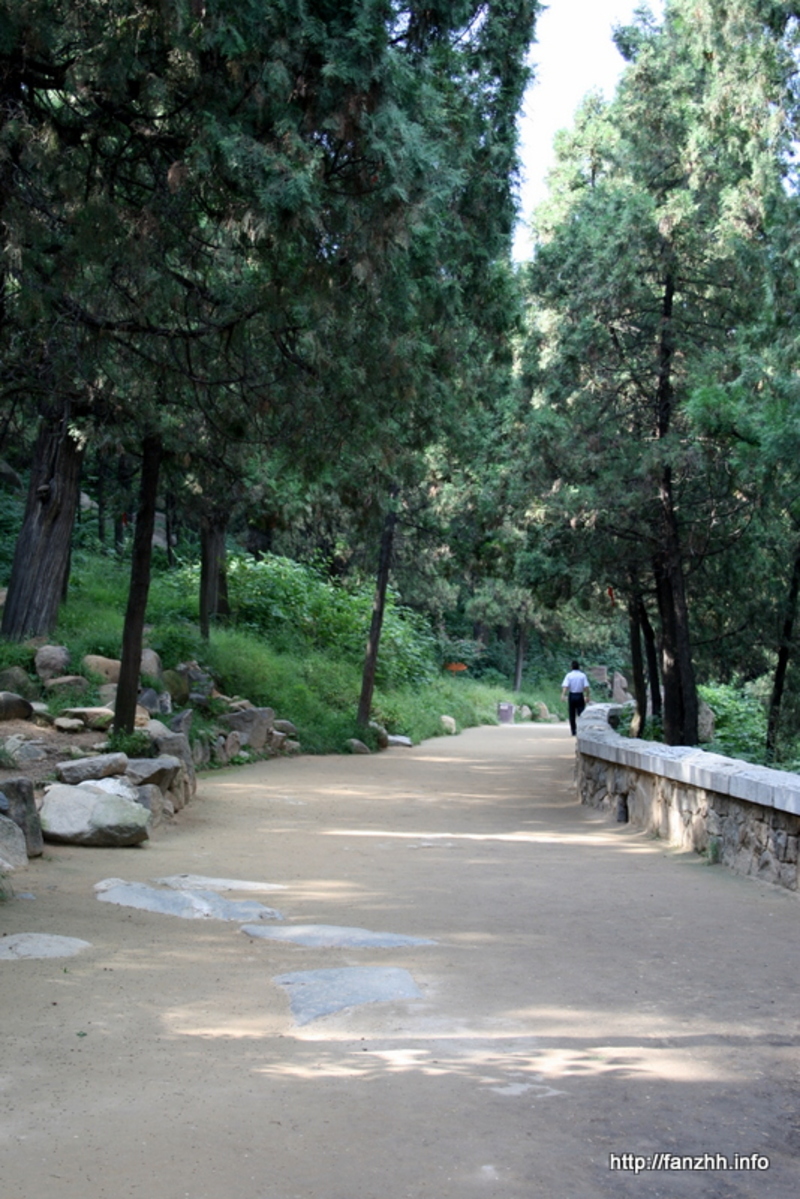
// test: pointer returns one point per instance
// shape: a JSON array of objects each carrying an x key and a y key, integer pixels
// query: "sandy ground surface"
[{"x": 590, "y": 993}]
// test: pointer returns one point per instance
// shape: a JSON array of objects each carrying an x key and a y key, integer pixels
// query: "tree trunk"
[
  {"x": 101, "y": 498},
  {"x": 213, "y": 524},
  {"x": 40, "y": 570},
  {"x": 128, "y": 687},
  {"x": 651, "y": 654},
  {"x": 784, "y": 653},
  {"x": 677, "y": 670},
  {"x": 637, "y": 662},
  {"x": 378, "y": 608},
  {"x": 680, "y": 692},
  {"x": 519, "y": 664}
]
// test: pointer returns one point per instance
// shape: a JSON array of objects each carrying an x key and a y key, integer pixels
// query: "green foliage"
[
  {"x": 175, "y": 643},
  {"x": 13, "y": 653},
  {"x": 137, "y": 744},
  {"x": 11, "y": 510},
  {"x": 740, "y": 727},
  {"x": 298, "y": 610}
]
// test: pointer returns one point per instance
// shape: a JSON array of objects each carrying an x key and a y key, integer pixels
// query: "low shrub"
[{"x": 740, "y": 722}]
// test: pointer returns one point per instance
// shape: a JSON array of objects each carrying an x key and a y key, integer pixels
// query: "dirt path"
[{"x": 589, "y": 993}]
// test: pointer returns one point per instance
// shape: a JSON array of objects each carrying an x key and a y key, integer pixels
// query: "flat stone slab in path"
[
  {"x": 315, "y": 993},
  {"x": 189, "y": 905},
  {"x": 199, "y": 882},
  {"x": 39, "y": 945},
  {"x": 333, "y": 935}
]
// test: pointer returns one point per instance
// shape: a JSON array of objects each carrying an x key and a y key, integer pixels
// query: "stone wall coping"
[{"x": 685, "y": 764}]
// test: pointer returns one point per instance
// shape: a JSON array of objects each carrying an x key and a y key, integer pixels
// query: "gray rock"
[
  {"x": 164, "y": 703},
  {"x": 21, "y": 808},
  {"x": 159, "y": 772},
  {"x": 357, "y": 747},
  {"x": 68, "y": 682},
  {"x": 276, "y": 741},
  {"x": 107, "y": 668},
  {"x": 93, "y": 718},
  {"x": 285, "y": 726},
  {"x": 315, "y": 993},
  {"x": 201, "y": 754},
  {"x": 381, "y": 735},
  {"x": 100, "y": 766},
  {"x": 118, "y": 785},
  {"x": 150, "y": 664},
  {"x": 448, "y": 724},
  {"x": 619, "y": 689},
  {"x": 398, "y": 739},
  {"x": 177, "y": 745},
  {"x": 13, "y": 851},
  {"x": 16, "y": 680},
  {"x": 87, "y": 816},
  {"x": 108, "y": 694},
  {"x": 152, "y": 797},
  {"x": 182, "y": 722},
  {"x": 149, "y": 699},
  {"x": 252, "y": 724},
  {"x": 23, "y": 750},
  {"x": 51, "y": 661},
  {"x": 324, "y": 936},
  {"x": 706, "y": 722},
  {"x": 14, "y": 707},
  {"x": 190, "y": 905},
  {"x": 40, "y": 945},
  {"x": 69, "y": 724},
  {"x": 202, "y": 882}
]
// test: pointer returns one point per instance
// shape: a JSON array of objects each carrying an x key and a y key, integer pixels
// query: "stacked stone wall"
[{"x": 693, "y": 800}]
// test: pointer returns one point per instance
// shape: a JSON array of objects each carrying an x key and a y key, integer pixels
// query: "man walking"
[{"x": 576, "y": 687}]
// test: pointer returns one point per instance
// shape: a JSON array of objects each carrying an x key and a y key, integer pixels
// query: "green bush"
[{"x": 740, "y": 722}]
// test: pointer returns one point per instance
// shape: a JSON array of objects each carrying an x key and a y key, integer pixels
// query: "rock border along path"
[{"x": 589, "y": 1003}]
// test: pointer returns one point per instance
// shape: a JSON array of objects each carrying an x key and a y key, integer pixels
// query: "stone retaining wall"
[{"x": 746, "y": 817}]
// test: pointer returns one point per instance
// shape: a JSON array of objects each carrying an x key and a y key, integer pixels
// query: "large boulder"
[
  {"x": 160, "y": 771},
  {"x": 107, "y": 668},
  {"x": 115, "y": 785},
  {"x": 24, "y": 750},
  {"x": 88, "y": 816},
  {"x": 20, "y": 806},
  {"x": 152, "y": 798},
  {"x": 14, "y": 707},
  {"x": 51, "y": 661},
  {"x": 13, "y": 852},
  {"x": 93, "y": 718},
  {"x": 16, "y": 680},
  {"x": 176, "y": 745},
  {"x": 706, "y": 722},
  {"x": 252, "y": 724},
  {"x": 100, "y": 766},
  {"x": 150, "y": 664},
  {"x": 67, "y": 682}
]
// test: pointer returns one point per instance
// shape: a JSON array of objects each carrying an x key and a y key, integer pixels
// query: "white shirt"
[{"x": 576, "y": 682}]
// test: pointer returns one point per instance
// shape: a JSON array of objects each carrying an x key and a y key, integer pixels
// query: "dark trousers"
[{"x": 576, "y": 705}]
